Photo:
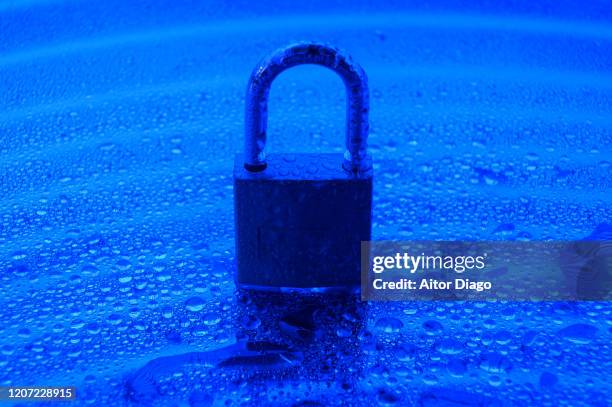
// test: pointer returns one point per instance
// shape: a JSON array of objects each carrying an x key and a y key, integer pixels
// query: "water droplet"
[
  {"x": 432, "y": 327},
  {"x": 579, "y": 333},
  {"x": 389, "y": 324},
  {"x": 449, "y": 346},
  {"x": 195, "y": 304}
]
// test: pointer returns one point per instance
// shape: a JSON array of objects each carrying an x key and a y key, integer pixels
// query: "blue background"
[{"x": 119, "y": 122}]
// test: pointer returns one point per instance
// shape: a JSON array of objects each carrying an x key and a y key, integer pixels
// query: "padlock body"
[{"x": 300, "y": 222}]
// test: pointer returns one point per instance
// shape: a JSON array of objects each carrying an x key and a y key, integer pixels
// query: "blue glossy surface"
[{"x": 118, "y": 127}]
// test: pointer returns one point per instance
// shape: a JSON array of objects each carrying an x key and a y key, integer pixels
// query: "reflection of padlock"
[{"x": 300, "y": 218}]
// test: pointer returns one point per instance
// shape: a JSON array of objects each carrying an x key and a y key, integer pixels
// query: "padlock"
[{"x": 300, "y": 218}]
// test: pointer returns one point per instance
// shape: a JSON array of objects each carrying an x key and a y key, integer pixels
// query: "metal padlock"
[{"x": 300, "y": 218}]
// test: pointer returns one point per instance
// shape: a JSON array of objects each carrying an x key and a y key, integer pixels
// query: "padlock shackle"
[{"x": 356, "y": 159}]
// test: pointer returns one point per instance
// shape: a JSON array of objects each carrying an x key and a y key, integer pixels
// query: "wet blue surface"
[{"x": 118, "y": 128}]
